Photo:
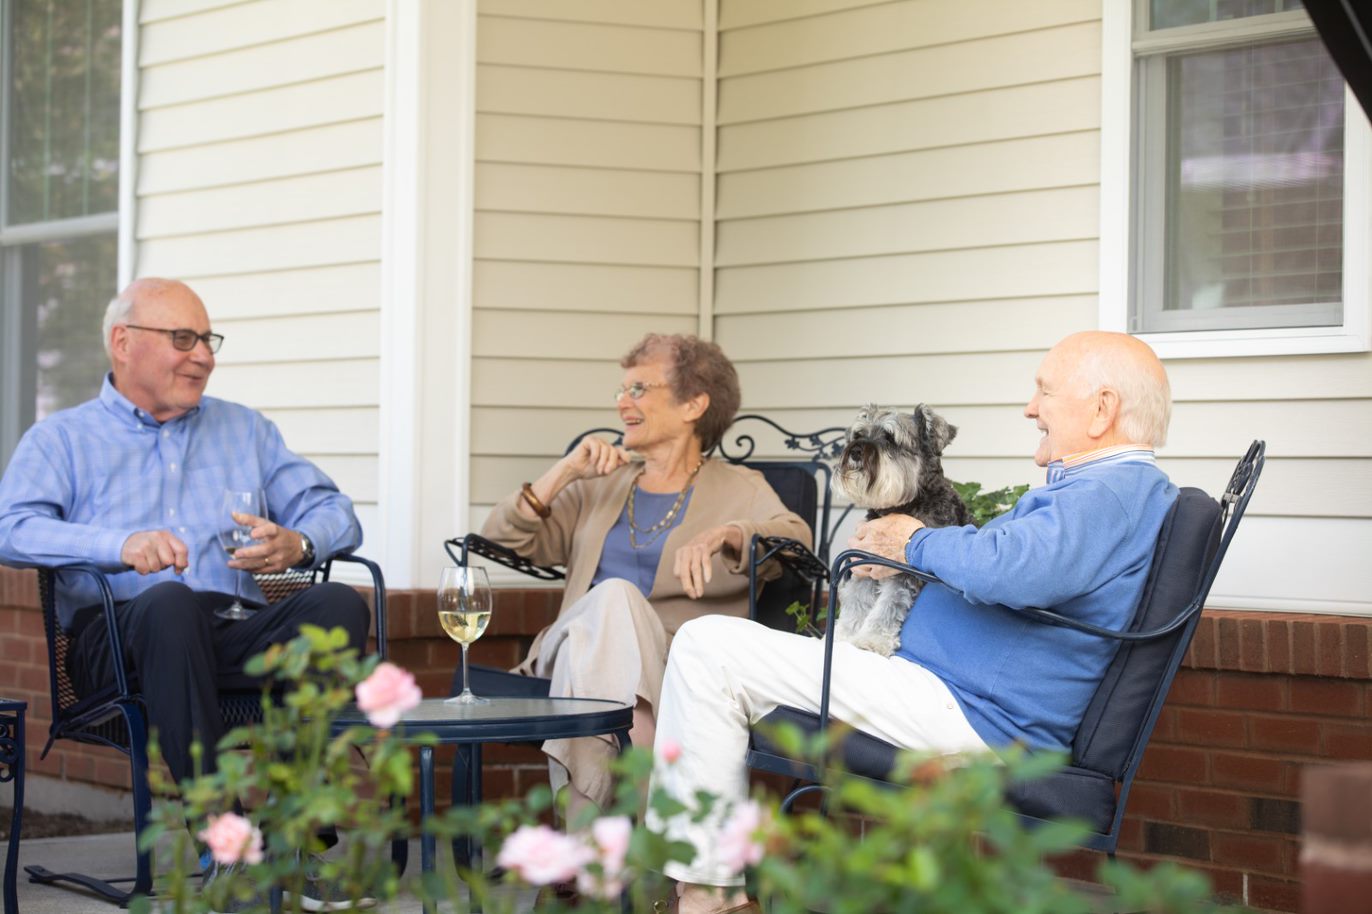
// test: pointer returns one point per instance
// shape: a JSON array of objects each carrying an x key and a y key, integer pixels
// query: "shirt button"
[
  {"x": 182, "y": 529},
  {"x": 166, "y": 433},
  {"x": 171, "y": 512},
  {"x": 173, "y": 468}
]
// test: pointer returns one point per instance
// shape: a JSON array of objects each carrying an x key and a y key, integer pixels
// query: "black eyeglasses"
[{"x": 184, "y": 339}]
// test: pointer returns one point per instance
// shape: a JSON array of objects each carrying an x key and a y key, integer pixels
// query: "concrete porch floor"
[{"x": 111, "y": 855}]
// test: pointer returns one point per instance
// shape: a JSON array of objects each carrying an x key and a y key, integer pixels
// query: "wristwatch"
[{"x": 307, "y": 548}]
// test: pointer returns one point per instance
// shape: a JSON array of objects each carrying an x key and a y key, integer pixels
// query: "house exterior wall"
[
  {"x": 587, "y": 224},
  {"x": 908, "y": 211},
  {"x": 259, "y": 183}
]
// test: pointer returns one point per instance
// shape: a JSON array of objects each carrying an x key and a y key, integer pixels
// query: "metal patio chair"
[
  {"x": 116, "y": 716},
  {"x": 1110, "y": 741}
]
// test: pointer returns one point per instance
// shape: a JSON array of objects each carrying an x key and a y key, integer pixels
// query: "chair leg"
[{"x": 142, "y": 807}]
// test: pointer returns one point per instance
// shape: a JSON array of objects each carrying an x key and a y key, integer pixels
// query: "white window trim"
[
  {"x": 1118, "y": 228},
  {"x": 128, "y": 146}
]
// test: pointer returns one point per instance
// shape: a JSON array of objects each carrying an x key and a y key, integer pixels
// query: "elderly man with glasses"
[{"x": 134, "y": 482}]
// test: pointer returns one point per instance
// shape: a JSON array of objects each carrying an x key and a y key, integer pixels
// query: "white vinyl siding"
[
  {"x": 908, "y": 211},
  {"x": 587, "y": 225},
  {"x": 259, "y": 184}
]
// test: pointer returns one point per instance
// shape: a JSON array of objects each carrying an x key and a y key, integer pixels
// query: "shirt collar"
[
  {"x": 1119, "y": 453},
  {"x": 123, "y": 408}
]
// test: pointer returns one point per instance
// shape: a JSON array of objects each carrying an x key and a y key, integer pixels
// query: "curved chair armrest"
[
  {"x": 792, "y": 553},
  {"x": 116, "y": 639},
  {"x": 378, "y": 594},
  {"x": 475, "y": 544}
]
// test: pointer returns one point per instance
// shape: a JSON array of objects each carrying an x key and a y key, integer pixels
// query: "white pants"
[{"x": 724, "y": 674}]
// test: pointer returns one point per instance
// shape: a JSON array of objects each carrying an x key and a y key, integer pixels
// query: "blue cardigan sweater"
[{"x": 1081, "y": 546}]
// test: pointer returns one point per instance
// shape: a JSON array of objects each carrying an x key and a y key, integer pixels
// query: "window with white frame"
[
  {"x": 1247, "y": 184},
  {"x": 60, "y": 65}
]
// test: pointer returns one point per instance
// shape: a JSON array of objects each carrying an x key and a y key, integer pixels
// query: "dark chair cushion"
[
  {"x": 488, "y": 680},
  {"x": 1071, "y": 792},
  {"x": 1110, "y": 727}
]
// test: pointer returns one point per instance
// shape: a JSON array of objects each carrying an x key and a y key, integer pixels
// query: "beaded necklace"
[{"x": 656, "y": 530}]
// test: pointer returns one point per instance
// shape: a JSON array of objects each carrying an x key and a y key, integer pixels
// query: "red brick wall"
[{"x": 1259, "y": 697}]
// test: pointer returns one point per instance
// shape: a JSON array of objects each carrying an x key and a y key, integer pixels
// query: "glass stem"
[{"x": 466, "y": 683}]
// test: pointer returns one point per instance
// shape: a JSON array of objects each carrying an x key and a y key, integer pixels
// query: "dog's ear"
[{"x": 935, "y": 429}]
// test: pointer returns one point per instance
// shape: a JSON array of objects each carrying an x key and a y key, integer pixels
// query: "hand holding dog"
[
  {"x": 694, "y": 561},
  {"x": 885, "y": 536}
]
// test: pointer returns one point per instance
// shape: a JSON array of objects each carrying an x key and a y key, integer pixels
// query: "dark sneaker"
[
  {"x": 215, "y": 873},
  {"x": 320, "y": 894}
]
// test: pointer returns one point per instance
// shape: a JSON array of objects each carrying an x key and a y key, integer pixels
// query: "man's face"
[
  {"x": 1062, "y": 410},
  {"x": 156, "y": 376}
]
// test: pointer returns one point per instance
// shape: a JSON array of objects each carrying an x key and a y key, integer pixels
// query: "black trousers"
[{"x": 182, "y": 655}]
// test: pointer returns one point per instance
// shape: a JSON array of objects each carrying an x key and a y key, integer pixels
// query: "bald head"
[
  {"x": 1128, "y": 366},
  {"x": 122, "y": 307},
  {"x": 1096, "y": 390}
]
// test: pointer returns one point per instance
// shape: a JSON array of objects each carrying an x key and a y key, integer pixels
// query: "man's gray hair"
[
  {"x": 1145, "y": 396},
  {"x": 117, "y": 312}
]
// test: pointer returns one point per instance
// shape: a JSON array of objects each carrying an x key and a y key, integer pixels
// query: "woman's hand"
[
  {"x": 694, "y": 561},
  {"x": 592, "y": 457},
  {"x": 885, "y": 536}
]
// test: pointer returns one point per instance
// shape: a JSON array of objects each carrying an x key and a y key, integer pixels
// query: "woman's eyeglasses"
[
  {"x": 636, "y": 390},
  {"x": 185, "y": 340}
]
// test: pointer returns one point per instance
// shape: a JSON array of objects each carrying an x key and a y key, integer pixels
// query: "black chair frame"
[
  {"x": 117, "y": 716},
  {"x": 1101, "y": 774}
]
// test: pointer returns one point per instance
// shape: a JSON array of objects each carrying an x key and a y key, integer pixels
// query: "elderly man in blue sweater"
[{"x": 970, "y": 675}]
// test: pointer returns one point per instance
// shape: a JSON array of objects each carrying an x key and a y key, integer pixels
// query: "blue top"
[
  {"x": 1082, "y": 546},
  {"x": 84, "y": 479},
  {"x": 619, "y": 559}
]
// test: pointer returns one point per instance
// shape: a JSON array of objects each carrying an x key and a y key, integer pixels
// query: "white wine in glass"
[
  {"x": 464, "y": 611},
  {"x": 234, "y": 536}
]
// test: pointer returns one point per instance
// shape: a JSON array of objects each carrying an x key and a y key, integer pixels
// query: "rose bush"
[{"x": 943, "y": 844}]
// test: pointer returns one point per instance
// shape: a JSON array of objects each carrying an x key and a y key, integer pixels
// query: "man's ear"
[{"x": 1107, "y": 412}]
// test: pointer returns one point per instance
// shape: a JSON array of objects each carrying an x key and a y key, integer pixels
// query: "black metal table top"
[
  {"x": 505, "y": 719},
  {"x": 12, "y": 704}
]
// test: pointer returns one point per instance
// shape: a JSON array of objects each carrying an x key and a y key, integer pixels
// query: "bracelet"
[{"x": 532, "y": 501}]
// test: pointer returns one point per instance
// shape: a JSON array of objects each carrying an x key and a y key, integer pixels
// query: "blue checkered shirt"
[{"x": 84, "y": 479}]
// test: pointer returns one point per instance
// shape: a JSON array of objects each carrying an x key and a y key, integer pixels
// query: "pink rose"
[
  {"x": 610, "y": 837},
  {"x": 541, "y": 856},
  {"x": 233, "y": 839},
  {"x": 386, "y": 694},
  {"x": 738, "y": 846},
  {"x": 669, "y": 750}
]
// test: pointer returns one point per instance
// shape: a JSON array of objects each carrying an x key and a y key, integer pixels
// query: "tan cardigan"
[{"x": 585, "y": 510}]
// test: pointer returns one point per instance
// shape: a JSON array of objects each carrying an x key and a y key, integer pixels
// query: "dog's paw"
[{"x": 884, "y": 645}]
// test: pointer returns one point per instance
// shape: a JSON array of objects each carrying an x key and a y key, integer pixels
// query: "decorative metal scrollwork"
[{"x": 820, "y": 446}]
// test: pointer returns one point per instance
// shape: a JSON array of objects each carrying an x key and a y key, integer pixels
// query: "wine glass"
[
  {"x": 464, "y": 611},
  {"x": 234, "y": 536}
]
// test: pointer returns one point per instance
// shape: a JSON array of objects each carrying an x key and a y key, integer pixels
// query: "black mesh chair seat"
[{"x": 1110, "y": 740}]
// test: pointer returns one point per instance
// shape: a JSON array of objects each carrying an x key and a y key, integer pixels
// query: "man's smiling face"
[
  {"x": 1061, "y": 408},
  {"x": 157, "y": 377}
]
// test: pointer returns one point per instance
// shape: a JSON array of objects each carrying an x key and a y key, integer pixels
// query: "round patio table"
[{"x": 501, "y": 720}]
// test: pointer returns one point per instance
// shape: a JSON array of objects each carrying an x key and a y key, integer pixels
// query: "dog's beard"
[{"x": 879, "y": 482}]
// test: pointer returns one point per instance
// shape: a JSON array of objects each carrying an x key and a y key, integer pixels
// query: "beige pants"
[
  {"x": 609, "y": 644},
  {"x": 727, "y": 674}
]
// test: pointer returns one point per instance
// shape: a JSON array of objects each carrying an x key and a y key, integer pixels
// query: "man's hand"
[
  {"x": 277, "y": 548},
  {"x": 694, "y": 561},
  {"x": 150, "y": 551},
  {"x": 884, "y": 536}
]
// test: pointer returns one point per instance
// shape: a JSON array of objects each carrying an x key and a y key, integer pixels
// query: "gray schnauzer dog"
[{"x": 890, "y": 465}]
